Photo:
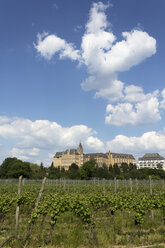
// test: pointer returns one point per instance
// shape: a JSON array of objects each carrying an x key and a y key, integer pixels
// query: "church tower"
[{"x": 80, "y": 149}]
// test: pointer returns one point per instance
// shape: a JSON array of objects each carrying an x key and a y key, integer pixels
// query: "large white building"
[{"x": 151, "y": 160}]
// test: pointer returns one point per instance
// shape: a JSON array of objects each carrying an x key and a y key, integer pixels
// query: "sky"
[{"x": 89, "y": 71}]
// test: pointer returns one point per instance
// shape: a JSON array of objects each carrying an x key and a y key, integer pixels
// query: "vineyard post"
[
  {"x": 115, "y": 185},
  {"x": 109, "y": 184},
  {"x": 163, "y": 183},
  {"x": 125, "y": 182},
  {"x": 136, "y": 184},
  {"x": 74, "y": 186},
  {"x": 150, "y": 183},
  {"x": 36, "y": 205},
  {"x": 41, "y": 191},
  {"x": 104, "y": 186},
  {"x": 17, "y": 208},
  {"x": 64, "y": 184},
  {"x": 130, "y": 183},
  {"x": 68, "y": 186}
]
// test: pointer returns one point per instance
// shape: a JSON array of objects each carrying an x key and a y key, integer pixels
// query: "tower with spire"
[{"x": 80, "y": 148}]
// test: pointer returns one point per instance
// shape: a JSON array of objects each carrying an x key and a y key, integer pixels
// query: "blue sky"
[{"x": 86, "y": 71}]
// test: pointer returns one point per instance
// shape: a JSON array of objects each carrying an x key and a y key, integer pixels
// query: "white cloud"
[
  {"x": 147, "y": 142},
  {"x": 104, "y": 58},
  {"x": 136, "y": 47},
  {"x": 95, "y": 144},
  {"x": 4, "y": 119},
  {"x": 135, "y": 93},
  {"x": 42, "y": 133},
  {"x": 77, "y": 28},
  {"x": 162, "y": 103},
  {"x": 48, "y": 45},
  {"x": 38, "y": 140},
  {"x": 41, "y": 138},
  {"x": 102, "y": 54},
  {"x": 145, "y": 112},
  {"x": 23, "y": 154}
]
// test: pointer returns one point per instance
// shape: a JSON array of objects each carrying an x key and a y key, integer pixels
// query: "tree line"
[{"x": 13, "y": 168}]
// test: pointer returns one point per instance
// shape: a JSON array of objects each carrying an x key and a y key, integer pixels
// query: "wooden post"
[
  {"x": 74, "y": 187},
  {"x": 104, "y": 186},
  {"x": 163, "y": 183},
  {"x": 125, "y": 183},
  {"x": 41, "y": 191},
  {"x": 64, "y": 184},
  {"x": 109, "y": 183},
  {"x": 136, "y": 181},
  {"x": 17, "y": 208},
  {"x": 115, "y": 185},
  {"x": 130, "y": 183},
  {"x": 150, "y": 183}
]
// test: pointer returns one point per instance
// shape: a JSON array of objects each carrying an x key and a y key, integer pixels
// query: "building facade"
[
  {"x": 101, "y": 158},
  {"x": 151, "y": 160},
  {"x": 119, "y": 158},
  {"x": 70, "y": 156}
]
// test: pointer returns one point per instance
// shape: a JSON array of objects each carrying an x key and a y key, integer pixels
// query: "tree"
[
  {"x": 87, "y": 169},
  {"x": 124, "y": 167},
  {"x": 116, "y": 169},
  {"x": 73, "y": 171},
  {"x": 54, "y": 172},
  {"x": 13, "y": 168}
]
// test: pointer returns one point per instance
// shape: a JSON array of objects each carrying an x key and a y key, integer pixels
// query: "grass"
[{"x": 112, "y": 231}]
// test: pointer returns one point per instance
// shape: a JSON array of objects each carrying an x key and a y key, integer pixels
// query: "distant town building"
[
  {"x": 101, "y": 158},
  {"x": 110, "y": 158},
  {"x": 151, "y": 160},
  {"x": 66, "y": 158},
  {"x": 119, "y": 158}
]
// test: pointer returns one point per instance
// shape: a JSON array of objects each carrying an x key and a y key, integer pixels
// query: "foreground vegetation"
[{"x": 82, "y": 215}]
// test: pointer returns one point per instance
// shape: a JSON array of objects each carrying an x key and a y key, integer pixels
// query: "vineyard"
[{"x": 82, "y": 214}]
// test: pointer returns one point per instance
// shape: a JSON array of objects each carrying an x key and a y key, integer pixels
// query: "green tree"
[
  {"x": 13, "y": 168},
  {"x": 53, "y": 172},
  {"x": 87, "y": 169},
  {"x": 73, "y": 171}
]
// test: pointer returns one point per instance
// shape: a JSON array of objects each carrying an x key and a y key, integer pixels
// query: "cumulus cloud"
[
  {"x": 33, "y": 138},
  {"x": 4, "y": 119},
  {"x": 43, "y": 133},
  {"x": 104, "y": 57},
  {"x": 101, "y": 53},
  {"x": 95, "y": 144},
  {"x": 24, "y": 154},
  {"x": 135, "y": 93},
  {"x": 145, "y": 112},
  {"x": 38, "y": 140},
  {"x": 147, "y": 142},
  {"x": 162, "y": 103},
  {"x": 48, "y": 45}
]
